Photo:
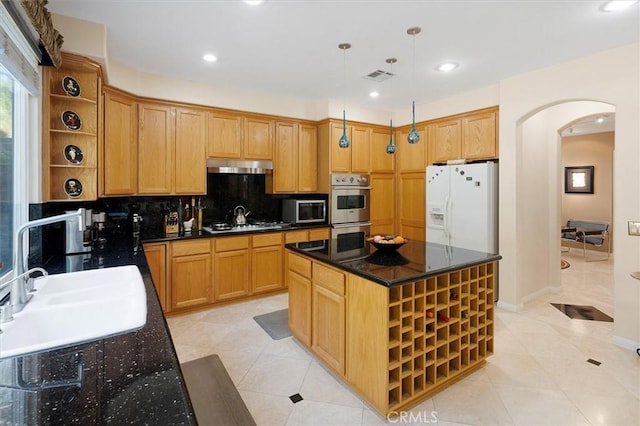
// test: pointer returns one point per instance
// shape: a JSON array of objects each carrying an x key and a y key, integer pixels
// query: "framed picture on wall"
[{"x": 578, "y": 180}]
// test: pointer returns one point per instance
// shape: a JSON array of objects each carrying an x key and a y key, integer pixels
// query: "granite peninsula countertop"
[
  {"x": 413, "y": 261},
  {"x": 127, "y": 378}
]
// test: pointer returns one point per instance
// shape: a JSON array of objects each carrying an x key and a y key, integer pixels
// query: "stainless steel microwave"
[{"x": 304, "y": 211}]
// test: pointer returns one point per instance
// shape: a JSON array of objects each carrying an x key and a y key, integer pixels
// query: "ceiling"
[{"x": 290, "y": 48}]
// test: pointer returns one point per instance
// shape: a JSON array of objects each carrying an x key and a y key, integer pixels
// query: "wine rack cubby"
[{"x": 439, "y": 327}]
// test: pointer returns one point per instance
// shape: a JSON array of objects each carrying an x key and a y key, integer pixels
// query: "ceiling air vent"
[{"x": 379, "y": 75}]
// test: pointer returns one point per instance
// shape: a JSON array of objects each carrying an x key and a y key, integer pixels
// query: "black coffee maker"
[{"x": 134, "y": 225}]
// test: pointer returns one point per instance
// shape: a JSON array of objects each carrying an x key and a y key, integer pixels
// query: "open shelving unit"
[
  {"x": 439, "y": 327},
  {"x": 58, "y": 168}
]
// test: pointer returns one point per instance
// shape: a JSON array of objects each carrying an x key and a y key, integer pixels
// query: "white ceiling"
[{"x": 290, "y": 47}]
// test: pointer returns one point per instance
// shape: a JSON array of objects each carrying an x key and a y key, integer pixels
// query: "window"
[{"x": 13, "y": 168}]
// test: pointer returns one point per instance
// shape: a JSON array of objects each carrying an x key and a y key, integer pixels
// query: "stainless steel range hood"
[{"x": 221, "y": 165}]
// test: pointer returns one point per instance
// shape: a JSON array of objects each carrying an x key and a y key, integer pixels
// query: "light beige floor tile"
[
  {"x": 310, "y": 413},
  {"x": 550, "y": 345},
  {"x": 238, "y": 363},
  {"x": 518, "y": 370},
  {"x": 241, "y": 339},
  {"x": 536, "y": 407},
  {"x": 188, "y": 353},
  {"x": 320, "y": 386},
  {"x": 606, "y": 410},
  {"x": 370, "y": 418},
  {"x": 471, "y": 402},
  {"x": 287, "y": 348},
  {"x": 200, "y": 334},
  {"x": 275, "y": 375},
  {"x": 267, "y": 410}
]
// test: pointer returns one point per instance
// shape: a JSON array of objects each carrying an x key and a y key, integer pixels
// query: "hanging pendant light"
[
  {"x": 413, "y": 136},
  {"x": 344, "y": 140},
  {"x": 391, "y": 147}
]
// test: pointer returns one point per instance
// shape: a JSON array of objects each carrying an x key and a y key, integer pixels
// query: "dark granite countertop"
[
  {"x": 131, "y": 377},
  {"x": 153, "y": 235},
  {"x": 412, "y": 261}
]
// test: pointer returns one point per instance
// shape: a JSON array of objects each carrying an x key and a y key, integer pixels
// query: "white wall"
[{"x": 612, "y": 77}]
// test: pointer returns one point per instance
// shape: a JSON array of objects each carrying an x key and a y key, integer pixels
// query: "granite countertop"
[
  {"x": 131, "y": 377},
  {"x": 414, "y": 260},
  {"x": 155, "y": 234}
]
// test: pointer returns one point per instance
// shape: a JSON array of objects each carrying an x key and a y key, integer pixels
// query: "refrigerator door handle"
[{"x": 447, "y": 208}]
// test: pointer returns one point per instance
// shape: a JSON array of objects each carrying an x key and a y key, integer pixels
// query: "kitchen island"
[{"x": 397, "y": 326}]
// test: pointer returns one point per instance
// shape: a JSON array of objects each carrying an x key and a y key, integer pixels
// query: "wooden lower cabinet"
[
  {"x": 298, "y": 273},
  {"x": 266, "y": 263},
  {"x": 156, "y": 255},
  {"x": 328, "y": 316},
  {"x": 190, "y": 273},
  {"x": 231, "y": 268}
]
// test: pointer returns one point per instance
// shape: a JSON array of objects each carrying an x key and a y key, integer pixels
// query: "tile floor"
[{"x": 538, "y": 375}]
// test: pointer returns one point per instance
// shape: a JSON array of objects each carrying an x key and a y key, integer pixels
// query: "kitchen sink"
[{"x": 77, "y": 307}]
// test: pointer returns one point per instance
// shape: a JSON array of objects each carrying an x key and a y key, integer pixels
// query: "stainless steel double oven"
[{"x": 350, "y": 212}]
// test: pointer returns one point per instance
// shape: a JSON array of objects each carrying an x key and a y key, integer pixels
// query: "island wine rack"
[{"x": 439, "y": 327}]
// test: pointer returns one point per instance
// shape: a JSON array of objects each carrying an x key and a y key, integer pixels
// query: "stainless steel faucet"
[{"x": 19, "y": 296}]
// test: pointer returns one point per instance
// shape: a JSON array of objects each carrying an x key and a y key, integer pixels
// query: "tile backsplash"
[{"x": 224, "y": 193}]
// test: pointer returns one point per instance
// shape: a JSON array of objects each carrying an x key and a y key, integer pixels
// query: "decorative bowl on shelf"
[{"x": 387, "y": 242}]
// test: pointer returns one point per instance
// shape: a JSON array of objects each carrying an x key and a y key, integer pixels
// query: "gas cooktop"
[{"x": 219, "y": 228}]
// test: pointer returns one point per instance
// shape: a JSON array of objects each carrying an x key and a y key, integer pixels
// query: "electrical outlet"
[{"x": 634, "y": 228}]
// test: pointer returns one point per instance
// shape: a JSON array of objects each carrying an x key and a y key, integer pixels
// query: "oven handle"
[
  {"x": 350, "y": 225},
  {"x": 350, "y": 187}
]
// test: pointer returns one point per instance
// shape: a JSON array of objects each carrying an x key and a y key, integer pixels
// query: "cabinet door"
[
  {"x": 190, "y": 281},
  {"x": 224, "y": 135},
  {"x": 285, "y": 164},
  {"x": 411, "y": 205},
  {"x": 156, "y": 259},
  {"x": 479, "y": 136},
  {"x": 340, "y": 157},
  {"x": 447, "y": 140},
  {"x": 120, "y": 159},
  {"x": 382, "y": 203},
  {"x": 328, "y": 327},
  {"x": 299, "y": 236},
  {"x": 411, "y": 157},
  {"x": 307, "y": 158},
  {"x": 381, "y": 162},
  {"x": 231, "y": 274},
  {"x": 258, "y": 139},
  {"x": 360, "y": 149},
  {"x": 190, "y": 164},
  {"x": 300, "y": 307},
  {"x": 155, "y": 148},
  {"x": 266, "y": 271}
]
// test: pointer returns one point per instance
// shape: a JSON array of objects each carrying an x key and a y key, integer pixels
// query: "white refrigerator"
[{"x": 462, "y": 206}]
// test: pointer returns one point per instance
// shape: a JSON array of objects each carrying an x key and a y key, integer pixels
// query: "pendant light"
[
  {"x": 413, "y": 136},
  {"x": 344, "y": 140},
  {"x": 391, "y": 147}
]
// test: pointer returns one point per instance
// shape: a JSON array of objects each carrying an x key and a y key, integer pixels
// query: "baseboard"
[
  {"x": 625, "y": 343},
  {"x": 546, "y": 290},
  {"x": 509, "y": 307}
]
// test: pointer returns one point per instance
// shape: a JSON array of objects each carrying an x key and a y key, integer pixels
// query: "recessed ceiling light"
[
  {"x": 253, "y": 2},
  {"x": 374, "y": 94},
  {"x": 447, "y": 66},
  {"x": 600, "y": 120},
  {"x": 614, "y": 6},
  {"x": 209, "y": 57}
]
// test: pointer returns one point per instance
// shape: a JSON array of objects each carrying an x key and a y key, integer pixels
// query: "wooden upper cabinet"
[
  {"x": 360, "y": 149},
  {"x": 285, "y": 173},
  {"x": 307, "y": 158},
  {"x": 155, "y": 148},
  {"x": 120, "y": 155},
  {"x": 224, "y": 135},
  {"x": 340, "y": 157},
  {"x": 411, "y": 157},
  {"x": 190, "y": 164},
  {"x": 258, "y": 139},
  {"x": 447, "y": 139},
  {"x": 472, "y": 136},
  {"x": 479, "y": 135},
  {"x": 381, "y": 162}
]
